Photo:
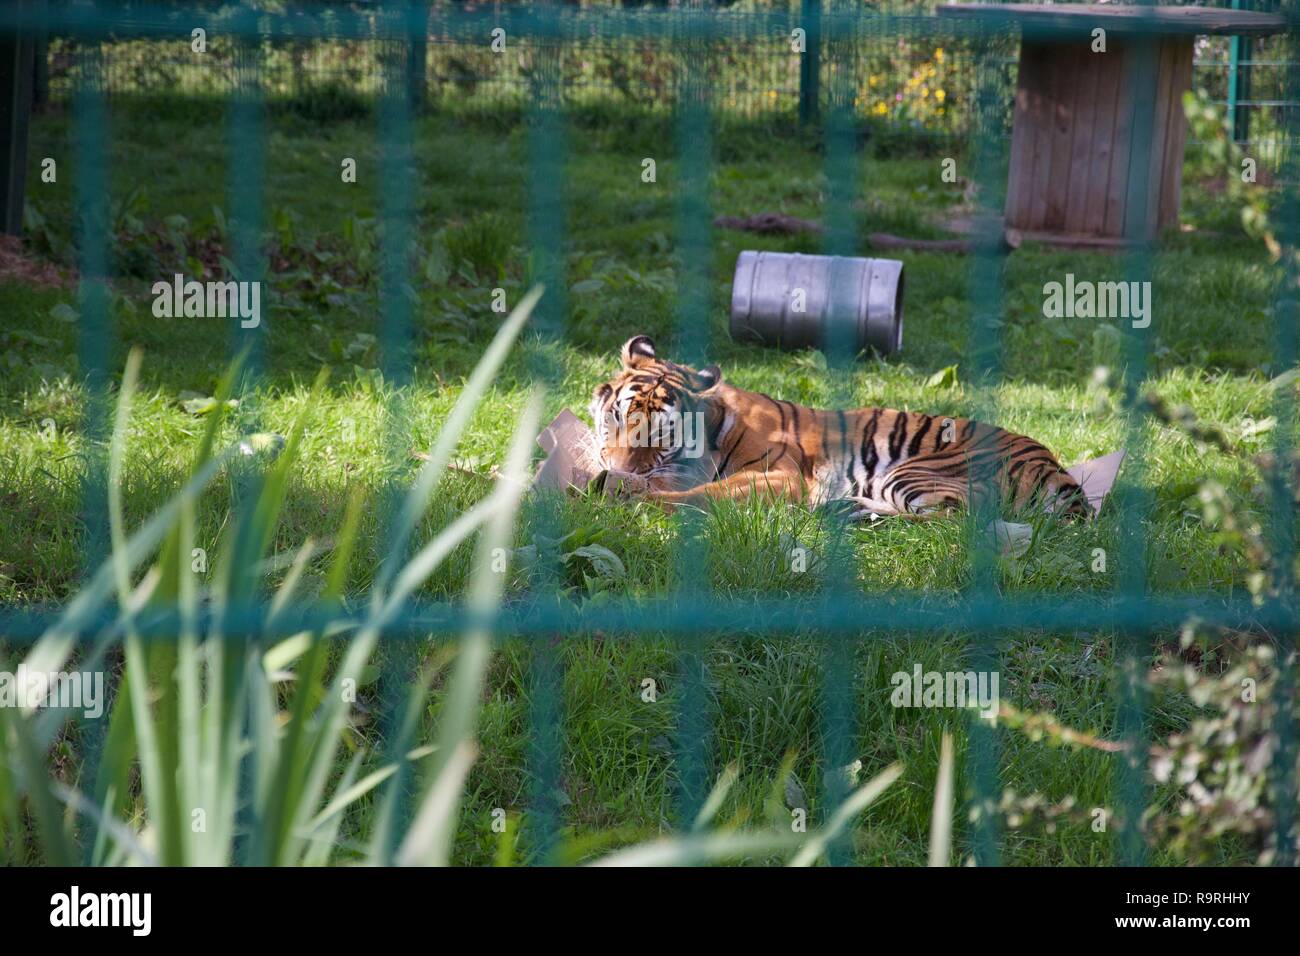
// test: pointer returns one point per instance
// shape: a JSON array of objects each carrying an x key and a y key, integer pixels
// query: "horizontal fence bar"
[
  {"x": 913, "y": 614},
  {"x": 566, "y": 24}
]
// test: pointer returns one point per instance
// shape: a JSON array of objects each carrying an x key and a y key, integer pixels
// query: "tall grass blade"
[
  {"x": 702, "y": 848},
  {"x": 717, "y": 796},
  {"x": 435, "y": 468},
  {"x": 941, "y": 816},
  {"x": 844, "y": 814},
  {"x": 430, "y": 838}
]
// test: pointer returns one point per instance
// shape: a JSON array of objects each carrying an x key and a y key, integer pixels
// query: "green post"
[
  {"x": 417, "y": 54},
  {"x": 16, "y": 72},
  {"x": 810, "y": 64},
  {"x": 1240, "y": 49},
  {"x": 41, "y": 68}
]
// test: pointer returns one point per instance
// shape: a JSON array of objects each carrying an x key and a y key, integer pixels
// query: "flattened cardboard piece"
[
  {"x": 1097, "y": 477},
  {"x": 565, "y": 466}
]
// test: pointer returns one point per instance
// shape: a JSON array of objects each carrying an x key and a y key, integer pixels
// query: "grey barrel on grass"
[{"x": 789, "y": 299}]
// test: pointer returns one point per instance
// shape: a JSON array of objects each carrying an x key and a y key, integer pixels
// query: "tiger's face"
[{"x": 652, "y": 418}]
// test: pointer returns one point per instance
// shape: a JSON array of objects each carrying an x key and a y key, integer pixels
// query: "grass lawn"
[{"x": 1209, "y": 347}]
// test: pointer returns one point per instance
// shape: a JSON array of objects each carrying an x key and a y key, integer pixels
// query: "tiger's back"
[{"x": 892, "y": 461}]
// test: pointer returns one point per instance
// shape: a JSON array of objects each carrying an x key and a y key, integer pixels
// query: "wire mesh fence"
[
  {"x": 911, "y": 81},
  {"x": 910, "y": 78},
  {"x": 937, "y": 73}
]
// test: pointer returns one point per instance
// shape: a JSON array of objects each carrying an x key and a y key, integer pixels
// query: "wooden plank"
[
  {"x": 1164, "y": 54},
  {"x": 1022, "y": 142},
  {"x": 1082, "y": 138},
  {"x": 1109, "y": 73},
  {"x": 1141, "y": 79},
  {"x": 1069, "y": 71},
  {"x": 1170, "y": 125},
  {"x": 1172, "y": 189},
  {"x": 1066, "y": 240},
  {"x": 1121, "y": 142},
  {"x": 1047, "y": 80},
  {"x": 1084, "y": 17},
  {"x": 1082, "y": 135}
]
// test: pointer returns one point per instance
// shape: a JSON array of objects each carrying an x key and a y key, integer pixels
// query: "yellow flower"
[
  {"x": 881, "y": 109},
  {"x": 938, "y": 54},
  {"x": 939, "y": 95}
]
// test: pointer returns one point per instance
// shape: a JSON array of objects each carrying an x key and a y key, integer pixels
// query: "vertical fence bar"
[
  {"x": 694, "y": 265},
  {"x": 246, "y": 177},
  {"x": 1141, "y": 64},
  {"x": 41, "y": 66},
  {"x": 245, "y": 180},
  {"x": 95, "y": 335},
  {"x": 16, "y": 73},
  {"x": 984, "y": 354},
  {"x": 399, "y": 672},
  {"x": 839, "y": 138},
  {"x": 1241, "y": 53},
  {"x": 417, "y": 58},
  {"x": 1282, "y": 481},
  {"x": 547, "y": 148},
  {"x": 810, "y": 64}
]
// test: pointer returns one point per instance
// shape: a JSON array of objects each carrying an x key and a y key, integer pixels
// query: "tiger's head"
[{"x": 653, "y": 418}]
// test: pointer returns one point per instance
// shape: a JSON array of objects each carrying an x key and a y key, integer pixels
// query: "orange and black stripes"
[{"x": 888, "y": 461}]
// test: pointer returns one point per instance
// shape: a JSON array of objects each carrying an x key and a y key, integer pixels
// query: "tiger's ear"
[
  {"x": 639, "y": 350},
  {"x": 706, "y": 378}
]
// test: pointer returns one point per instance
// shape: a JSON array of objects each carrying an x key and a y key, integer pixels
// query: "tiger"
[{"x": 682, "y": 436}]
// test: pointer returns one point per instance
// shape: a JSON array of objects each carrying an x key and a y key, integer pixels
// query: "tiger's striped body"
[{"x": 884, "y": 461}]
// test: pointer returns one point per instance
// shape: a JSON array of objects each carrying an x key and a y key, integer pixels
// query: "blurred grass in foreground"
[{"x": 223, "y": 750}]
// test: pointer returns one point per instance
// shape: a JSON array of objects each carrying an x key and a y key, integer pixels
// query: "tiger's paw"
[
  {"x": 849, "y": 511},
  {"x": 623, "y": 485}
]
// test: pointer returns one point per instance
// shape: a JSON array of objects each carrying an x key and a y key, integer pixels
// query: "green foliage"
[
  {"x": 480, "y": 247},
  {"x": 1220, "y": 160},
  {"x": 900, "y": 137},
  {"x": 1219, "y": 768},
  {"x": 326, "y": 103},
  {"x": 189, "y": 708}
]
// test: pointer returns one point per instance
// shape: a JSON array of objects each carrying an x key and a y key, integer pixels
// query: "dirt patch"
[{"x": 18, "y": 266}]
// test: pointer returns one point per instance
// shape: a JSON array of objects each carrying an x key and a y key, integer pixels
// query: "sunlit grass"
[{"x": 1209, "y": 350}]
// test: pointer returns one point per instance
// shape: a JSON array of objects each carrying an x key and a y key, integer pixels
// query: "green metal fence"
[{"x": 700, "y": 36}]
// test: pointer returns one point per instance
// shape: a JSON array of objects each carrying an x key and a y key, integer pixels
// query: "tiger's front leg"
[{"x": 771, "y": 485}]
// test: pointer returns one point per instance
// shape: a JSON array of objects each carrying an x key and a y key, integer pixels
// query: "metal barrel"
[{"x": 787, "y": 299}]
